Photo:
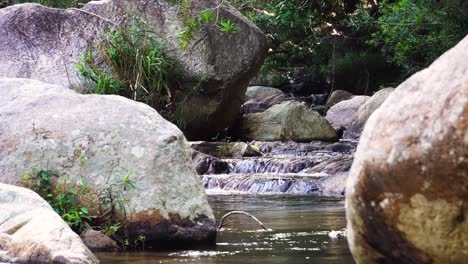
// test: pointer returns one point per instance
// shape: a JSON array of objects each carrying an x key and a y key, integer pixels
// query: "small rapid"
[{"x": 317, "y": 168}]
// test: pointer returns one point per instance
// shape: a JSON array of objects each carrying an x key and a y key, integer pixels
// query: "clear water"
[{"x": 300, "y": 233}]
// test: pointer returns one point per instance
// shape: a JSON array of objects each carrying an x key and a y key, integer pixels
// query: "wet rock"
[
  {"x": 258, "y": 93},
  {"x": 359, "y": 119},
  {"x": 101, "y": 139},
  {"x": 287, "y": 121},
  {"x": 407, "y": 190},
  {"x": 206, "y": 164},
  {"x": 31, "y": 232},
  {"x": 333, "y": 185},
  {"x": 226, "y": 149},
  {"x": 338, "y": 96},
  {"x": 97, "y": 241},
  {"x": 341, "y": 147},
  {"x": 45, "y": 44},
  {"x": 341, "y": 114}
]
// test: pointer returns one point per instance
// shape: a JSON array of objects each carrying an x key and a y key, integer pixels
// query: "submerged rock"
[
  {"x": 341, "y": 114},
  {"x": 287, "y": 121},
  {"x": 101, "y": 139},
  {"x": 31, "y": 232},
  {"x": 354, "y": 129},
  {"x": 407, "y": 191},
  {"x": 45, "y": 44}
]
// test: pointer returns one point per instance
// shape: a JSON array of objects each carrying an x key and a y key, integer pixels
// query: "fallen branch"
[{"x": 241, "y": 213}]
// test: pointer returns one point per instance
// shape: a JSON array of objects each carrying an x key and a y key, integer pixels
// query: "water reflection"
[{"x": 300, "y": 233}]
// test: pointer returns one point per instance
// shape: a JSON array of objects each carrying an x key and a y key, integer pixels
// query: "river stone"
[
  {"x": 45, "y": 43},
  {"x": 341, "y": 114},
  {"x": 97, "y": 241},
  {"x": 31, "y": 232},
  {"x": 359, "y": 119},
  {"x": 287, "y": 121},
  {"x": 258, "y": 93},
  {"x": 207, "y": 164},
  {"x": 338, "y": 96},
  {"x": 257, "y": 106},
  {"x": 101, "y": 139},
  {"x": 407, "y": 190}
]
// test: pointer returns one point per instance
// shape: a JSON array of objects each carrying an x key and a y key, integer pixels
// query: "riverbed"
[{"x": 300, "y": 233}]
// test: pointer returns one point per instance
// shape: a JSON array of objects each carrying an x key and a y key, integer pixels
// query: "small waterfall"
[{"x": 317, "y": 168}]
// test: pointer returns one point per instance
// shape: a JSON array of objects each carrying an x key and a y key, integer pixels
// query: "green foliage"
[
  {"x": 194, "y": 21},
  {"x": 105, "y": 208},
  {"x": 135, "y": 66},
  {"x": 412, "y": 34},
  {"x": 227, "y": 27},
  {"x": 62, "y": 197}
]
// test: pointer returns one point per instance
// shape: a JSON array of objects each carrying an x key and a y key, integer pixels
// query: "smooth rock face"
[
  {"x": 341, "y": 114},
  {"x": 407, "y": 189},
  {"x": 354, "y": 130},
  {"x": 287, "y": 121},
  {"x": 31, "y": 232},
  {"x": 338, "y": 96},
  {"x": 46, "y": 126},
  {"x": 44, "y": 44},
  {"x": 258, "y": 93},
  {"x": 97, "y": 241}
]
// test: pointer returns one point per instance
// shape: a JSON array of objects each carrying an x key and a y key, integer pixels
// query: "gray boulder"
[
  {"x": 258, "y": 93},
  {"x": 341, "y": 114},
  {"x": 101, "y": 139},
  {"x": 45, "y": 43},
  {"x": 257, "y": 106},
  {"x": 287, "y": 121},
  {"x": 338, "y": 96},
  {"x": 31, "y": 232},
  {"x": 96, "y": 241},
  {"x": 365, "y": 111},
  {"x": 406, "y": 198}
]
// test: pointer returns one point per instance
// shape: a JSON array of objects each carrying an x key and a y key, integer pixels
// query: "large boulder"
[
  {"x": 407, "y": 195},
  {"x": 341, "y": 114},
  {"x": 45, "y": 43},
  {"x": 259, "y": 93},
  {"x": 338, "y": 96},
  {"x": 31, "y": 232},
  {"x": 287, "y": 121},
  {"x": 354, "y": 129},
  {"x": 101, "y": 139}
]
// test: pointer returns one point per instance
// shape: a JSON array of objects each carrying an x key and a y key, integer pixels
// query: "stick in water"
[{"x": 241, "y": 213}]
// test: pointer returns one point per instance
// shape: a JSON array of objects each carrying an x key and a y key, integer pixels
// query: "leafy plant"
[
  {"x": 412, "y": 34},
  {"x": 135, "y": 66},
  {"x": 228, "y": 27},
  {"x": 79, "y": 205},
  {"x": 63, "y": 197}
]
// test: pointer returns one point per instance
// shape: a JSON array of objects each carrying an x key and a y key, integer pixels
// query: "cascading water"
[{"x": 293, "y": 168}]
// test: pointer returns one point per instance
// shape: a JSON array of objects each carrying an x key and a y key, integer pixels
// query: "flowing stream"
[
  {"x": 264, "y": 186},
  {"x": 301, "y": 226}
]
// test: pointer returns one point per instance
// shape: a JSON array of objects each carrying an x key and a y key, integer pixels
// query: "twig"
[
  {"x": 95, "y": 15},
  {"x": 241, "y": 213}
]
